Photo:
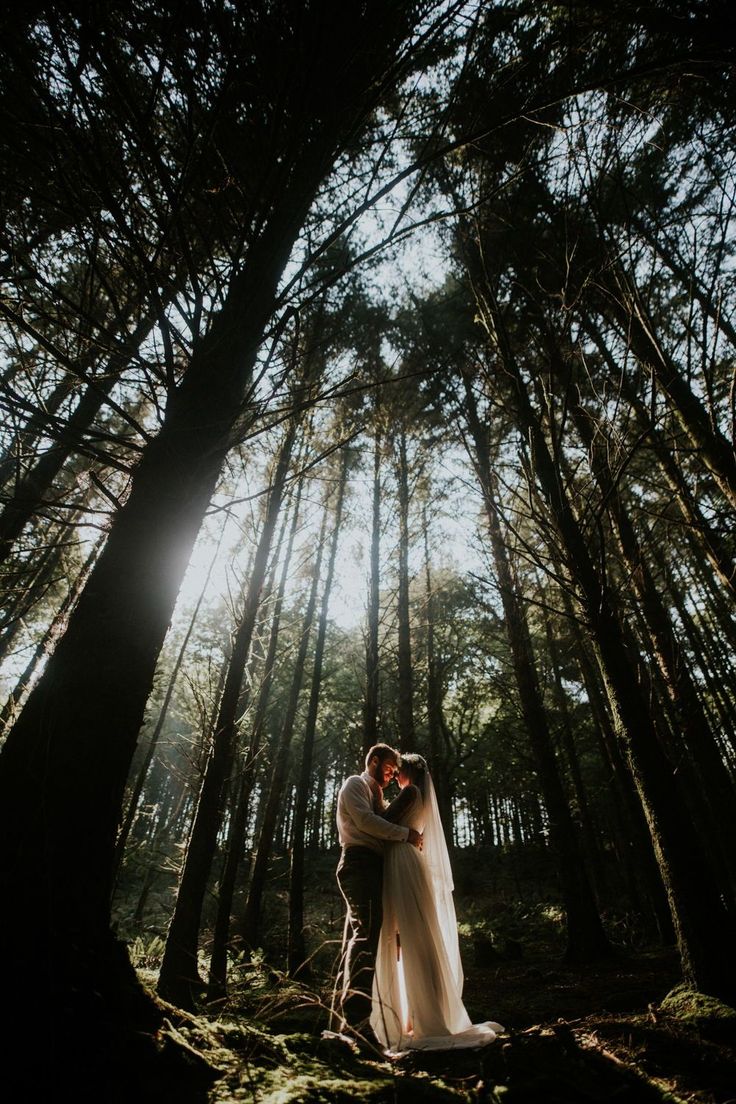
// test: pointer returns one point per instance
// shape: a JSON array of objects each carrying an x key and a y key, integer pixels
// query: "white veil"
[{"x": 435, "y": 854}]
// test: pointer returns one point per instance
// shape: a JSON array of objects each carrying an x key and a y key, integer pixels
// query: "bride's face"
[{"x": 404, "y": 778}]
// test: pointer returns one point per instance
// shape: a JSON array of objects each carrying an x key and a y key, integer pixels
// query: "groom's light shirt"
[{"x": 357, "y": 824}]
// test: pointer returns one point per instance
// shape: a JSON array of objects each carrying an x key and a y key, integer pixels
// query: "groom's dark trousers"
[{"x": 360, "y": 878}]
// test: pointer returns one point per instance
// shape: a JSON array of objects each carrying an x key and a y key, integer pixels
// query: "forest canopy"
[{"x": 366, "y": 374}]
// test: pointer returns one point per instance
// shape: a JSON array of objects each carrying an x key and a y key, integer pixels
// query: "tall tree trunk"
[
  {"x": 591, "y": 834},
  {"x": 705, "y": 932},
  {"x": 297, "y": 951},
  {"x": 710, "y": 791},
  {"x": 217, "y": 980},
  {"x": 135, "y": 796},
  {"x": 179, "y": 978},
  {"x": 404, "y": 661},
  {"x": 439, "y": 764},
  {"x": 167, "y": 818},
  {"x": 279, "y": 772},
  {"x": 370, "y": 703},
  {"x": 318, "y": 810},
  {"x": 703, "y": 653},
  {"x": 586, "y": 939},
  {"x": 638, "y": 856}
]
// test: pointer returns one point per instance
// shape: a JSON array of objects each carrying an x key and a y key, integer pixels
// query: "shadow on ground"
[{"x": 575, "y": 1036}]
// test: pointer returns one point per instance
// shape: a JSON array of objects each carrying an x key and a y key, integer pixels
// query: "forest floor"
[
  {"x": 574, "y": 1034},
  {"x": 618, "y": 1031}
]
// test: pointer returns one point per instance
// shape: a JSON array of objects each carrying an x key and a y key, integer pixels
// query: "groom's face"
[{"x": 383, "y": 772}]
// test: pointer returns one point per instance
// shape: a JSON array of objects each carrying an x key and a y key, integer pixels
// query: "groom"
[{"x": 362, "y": 834}]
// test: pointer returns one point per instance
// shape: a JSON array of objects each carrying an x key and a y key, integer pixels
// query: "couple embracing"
[{"x": 401, "y": 975}]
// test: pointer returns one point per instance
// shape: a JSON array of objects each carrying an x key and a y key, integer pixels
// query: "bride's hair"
[{"x": 417, "y": 769}]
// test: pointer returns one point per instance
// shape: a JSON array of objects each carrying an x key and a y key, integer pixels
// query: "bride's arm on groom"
[{"x": 400, "y": 804}]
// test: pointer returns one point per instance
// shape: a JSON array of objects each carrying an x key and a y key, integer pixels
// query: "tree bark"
[{"x": 137, "y": 790}]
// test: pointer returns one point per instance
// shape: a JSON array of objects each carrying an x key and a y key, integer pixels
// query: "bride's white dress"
[{"x": 417, "y": 987}]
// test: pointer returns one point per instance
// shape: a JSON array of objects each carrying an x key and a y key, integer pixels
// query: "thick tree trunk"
[{"x": 140, "y": 780}]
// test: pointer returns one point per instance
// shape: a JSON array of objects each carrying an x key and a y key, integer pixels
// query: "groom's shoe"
[{"x": 338, "y": 1038}]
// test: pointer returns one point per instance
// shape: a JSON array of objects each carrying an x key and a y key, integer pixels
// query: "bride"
[{"x": 417, "y": 987}]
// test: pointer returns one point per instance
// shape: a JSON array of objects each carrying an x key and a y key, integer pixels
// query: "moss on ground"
[
  {"x": 698, "y": 1009},
  {"x": 626, "y": 1036}
]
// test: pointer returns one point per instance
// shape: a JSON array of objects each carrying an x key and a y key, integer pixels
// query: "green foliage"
[{"x": 146, "y": 954}]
